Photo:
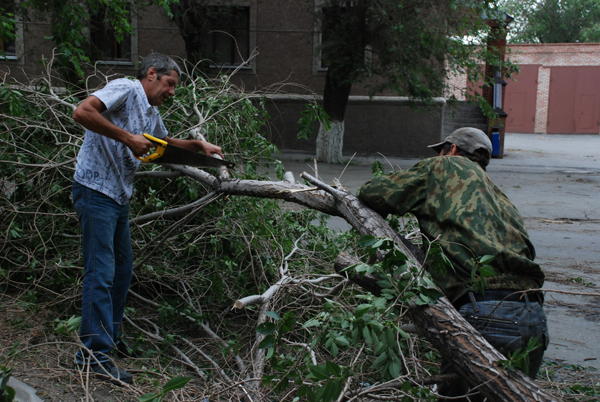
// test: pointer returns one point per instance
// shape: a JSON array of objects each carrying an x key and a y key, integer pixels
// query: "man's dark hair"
[
  {"x": 163, "y": 65},
  {"x": 480, "y": 155}
]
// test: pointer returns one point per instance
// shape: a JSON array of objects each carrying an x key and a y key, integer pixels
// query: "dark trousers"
[
  {"x": 108, "y": 262},
  {"x": 507, "y": 326}
]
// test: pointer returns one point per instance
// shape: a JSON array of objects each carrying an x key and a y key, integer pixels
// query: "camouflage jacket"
[{"x": 453, "y": 198}]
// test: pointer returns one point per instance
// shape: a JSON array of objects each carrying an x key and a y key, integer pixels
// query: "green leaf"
[
  {"x": 319, "y": 372},
  {"x": 302, "y": 391},
  {"x": 367, "y": 336},
  {"x": 273, "y": 314},
  {"x": 334, "y": 349},
  {"x": 367, "y": 241},
  {"x": 176, "y": 383},
  {"x": 380, "y": 303},
  {"x": 425, "y": 298},
  {"x": 362, "y": 309},
  {"x": 403, "y": 334},
  {"x": 381, "y": 360},
  {"x": 394, "y": 369},
  {"x": 312, "y": 323},
  {"x": 419, "y": 302},
  {"x": 342, "y": 341},
  {"x": 379, "y": 243},
  {"x": 333, "y": 368},
  {"x": 389, "y": 338},
  {"x": 148, "y": 398},
  {"x": 487, "y": 270},
  {"x": 266, "y": 328},
  {"x": 486, "y": 259},
  {"x": 267, "y": 342}
]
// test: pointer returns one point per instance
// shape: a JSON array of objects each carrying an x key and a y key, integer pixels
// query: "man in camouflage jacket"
[{"x": 461, "y": 209}]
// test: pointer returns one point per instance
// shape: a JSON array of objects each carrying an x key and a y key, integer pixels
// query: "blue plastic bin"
[{"x": 495, "y": 144}]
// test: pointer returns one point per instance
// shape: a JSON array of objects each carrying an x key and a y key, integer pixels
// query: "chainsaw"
[{"x": 166, "y": 153}]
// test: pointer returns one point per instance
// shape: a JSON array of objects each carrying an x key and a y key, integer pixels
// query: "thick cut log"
[{"x": 472, "y": 356}]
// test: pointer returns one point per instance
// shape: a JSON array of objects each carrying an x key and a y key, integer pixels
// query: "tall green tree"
[
  {"x": 408, "y": 48},
  {"x": 553, "y": 21},
  {"x": 69, "y": 27},
  {"x": 195, "y": 19}
]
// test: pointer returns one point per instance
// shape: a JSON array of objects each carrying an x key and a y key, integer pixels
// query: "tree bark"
[
  {"x": 335, "y": 99},
  {"x": 473, "y": 357},
  {"x": 330, "y": 143}
]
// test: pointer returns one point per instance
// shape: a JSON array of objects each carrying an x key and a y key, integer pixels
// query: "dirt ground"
[{"x": 45, "y": 363}]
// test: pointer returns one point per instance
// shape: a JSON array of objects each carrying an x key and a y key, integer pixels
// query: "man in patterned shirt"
[
  {"x": 115, "y": 118},
  {"x": 459, "y": 207}
]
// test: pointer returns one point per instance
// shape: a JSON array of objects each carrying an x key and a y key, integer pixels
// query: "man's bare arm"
[
  {"x": 196, "y": 146},
  {"x": 88, "y": 114}
]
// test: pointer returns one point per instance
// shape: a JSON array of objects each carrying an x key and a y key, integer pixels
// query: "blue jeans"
[
  {"x": 507, "y": 327},
  {"x": 108, "y": 262}
]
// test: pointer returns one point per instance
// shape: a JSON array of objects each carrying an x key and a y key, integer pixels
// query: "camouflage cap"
[{"x": 468, "y": 139}]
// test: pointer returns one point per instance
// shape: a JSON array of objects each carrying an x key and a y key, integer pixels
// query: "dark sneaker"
[
  {"x": 124, "y": 349},
  {"x": 110, "y": 372}
]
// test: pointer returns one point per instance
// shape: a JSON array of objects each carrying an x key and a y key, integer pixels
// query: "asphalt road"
[{"x": 554, "y": 180}]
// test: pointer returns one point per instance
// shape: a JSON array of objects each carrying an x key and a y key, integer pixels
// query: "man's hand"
[
  {"x": 210, "y": 149},
  {"x": 139, "y": 145},
  {"x": 196, "y": 146}
]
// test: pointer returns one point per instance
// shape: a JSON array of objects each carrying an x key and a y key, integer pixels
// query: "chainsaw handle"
[{"x": 160, "y": 149}]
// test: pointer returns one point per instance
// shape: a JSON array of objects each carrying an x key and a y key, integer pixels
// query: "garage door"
[
  {"x": 520, "y": 97},
  {"x": 574, "y": 100}
]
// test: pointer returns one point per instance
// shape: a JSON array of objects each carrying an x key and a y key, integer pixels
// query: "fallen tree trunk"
[{"x": 472, "y": 356}]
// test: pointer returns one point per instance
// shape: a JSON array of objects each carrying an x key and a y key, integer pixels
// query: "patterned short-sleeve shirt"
[{"x": 107, "y": 165}]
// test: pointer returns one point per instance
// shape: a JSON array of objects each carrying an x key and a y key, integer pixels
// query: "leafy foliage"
[
  {"x": 519, "y": 359},
  {"x": 192, "y": 266},
  {"x": 368, "y": 325},
  {"x": 409, "y": 48},
  {"x": 553, "y": 21},
  {"x": 171, "y": 385},
  {"x": 481, "y": 270},
  {"x": 69, "y": 27},
  {"x": 313, "y": 112}
]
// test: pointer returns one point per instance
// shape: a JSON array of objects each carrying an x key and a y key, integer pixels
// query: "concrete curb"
[{"x": 24, "y": 393}]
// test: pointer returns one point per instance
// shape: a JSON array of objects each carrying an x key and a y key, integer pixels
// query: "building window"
[
  {"x": 105, "y": 44},
  {"x": 229, "y": 35},
  {"x": 324, "y": 29},
  {"x": 8, "y": 48},
  {"x": 328, "y": 20},
  {"x": 8, "y": 44}
]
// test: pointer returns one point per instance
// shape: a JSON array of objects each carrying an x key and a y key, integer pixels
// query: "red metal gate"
[
  {"x": 574, "y": 100},
  {"x": 520, "y": 99}
]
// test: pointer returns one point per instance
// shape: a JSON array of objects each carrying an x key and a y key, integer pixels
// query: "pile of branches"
[
  {"x": 230, "y": 289},
  {"x": 237, "y": 291}
]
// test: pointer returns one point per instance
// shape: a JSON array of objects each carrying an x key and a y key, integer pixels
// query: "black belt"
[{"x": 499, "y": 295}]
